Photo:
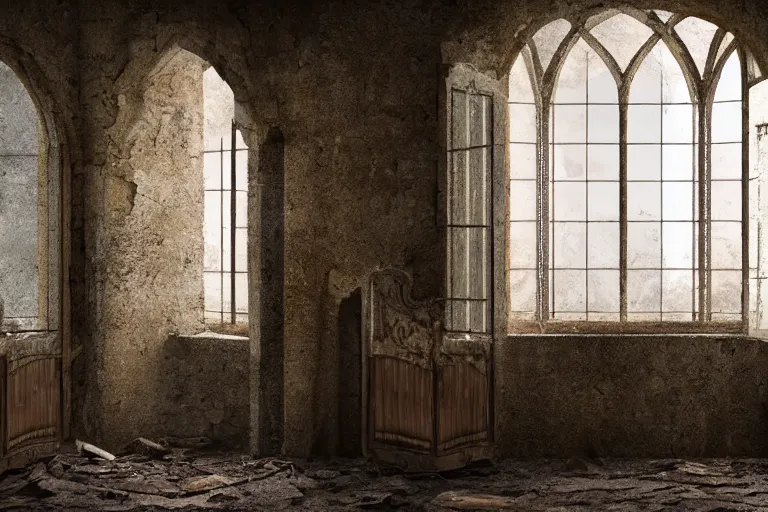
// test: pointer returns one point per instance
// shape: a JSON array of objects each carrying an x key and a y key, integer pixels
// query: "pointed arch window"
[{"x": 628, "y": 168}]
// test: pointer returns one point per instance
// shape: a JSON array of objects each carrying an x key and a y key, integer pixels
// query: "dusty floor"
[{"x": 210, "y": 481}]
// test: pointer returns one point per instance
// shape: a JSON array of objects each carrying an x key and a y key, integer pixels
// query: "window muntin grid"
[
  {"x": 470, "y": 159},
  {"x": 225, "y": 268},
  {"x": 679, "y": 105}
]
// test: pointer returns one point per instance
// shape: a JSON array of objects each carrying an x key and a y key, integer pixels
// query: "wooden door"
[{"x": 429, "y": 401}]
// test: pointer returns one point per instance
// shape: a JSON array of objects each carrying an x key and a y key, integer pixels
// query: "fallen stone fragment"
[
  {"x": 91, "y": 469},
  {"x": 207, "y": 483},
  {"x": 89, "y": 449},
  {"x": 464, "y": 501},
  {"x": 38, "y": 472},
  {"x": 143, "y": 446}
]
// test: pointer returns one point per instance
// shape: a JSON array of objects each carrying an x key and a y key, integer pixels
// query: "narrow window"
[{"x": 225, "y": 169}]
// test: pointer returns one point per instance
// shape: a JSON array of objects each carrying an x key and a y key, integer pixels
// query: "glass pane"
[
  {"x": 643, "y": 291},
  {"x": 726, "y": 122},
  {"x": 241, "y": 293},
  {"x": 226, "y": 170},
  {"x": 548, "y": 39},
  {"x": 678, "y": 162},
  {"x": 697, "y": 35},
  {"x": 677, "y": 201},
  {"x": 604, "y": 124},
  {"x": 677, "y": 292},
  {"x": 522, "y": 245},
  {"x": 643, "y": 245},
  {"x": 459, "y": 247},
  {"x": 520, "y": 89},
  {"x": 522, "y": 161},
  {"x": 603, "y": 201},
  {"x": 603, "y": 162},
  {"x": 226, "y": 298},
  {"x": 241, "y": 182},
  {"x": 603, "y": 291},
  {"x": 677, "y": 122},
  {"x": 643, "y": 201},
  {"x": 212, "y": 170},
  {"x": 479, "y": 120},
  {"x": 458, "y": 212},
  {"x": 674, "y": 86},
  {"x": 522, "y": 123},
  {"x": 646, "y": 84},
  {"x": 601, "y": 86},
  {"x": 212, "y": 230},
  {"x": 569, "y": 162},
  {"x": 726, "y": 161},
  {"x": 522, "y": 290},
  {"x": 242, "y": 210},
  {"x": 726, "y": 291},
  {"x": 570, "y": 201},
  {"x": 726, "y": 245},
  {"x": 241, "y": 250},
  {"x": 569, "y": 244},
  {"x": 571, "y": 84},
  {"x": 622, "y": 36},
  {"x": 570, "y": 290},
  {"x": 570, "y": 123},
  {"x": 477, "y": 263},
  {"x": 726, "y": 200},
  {"x": 677, "y": 244},
  {"x": 644, "y": 124},
  {"x": 644, "y": 162},
  {"x": 479, "y": 163},
  {"x": 729, "y": 85},
  {"x": 212, "y": 286},
  {"x": 459, "y": 120},
  {"x": 522, "y": 200},
  {"x": 603, "y": 249}
]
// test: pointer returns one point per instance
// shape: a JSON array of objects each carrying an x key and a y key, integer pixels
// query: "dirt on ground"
[{"x": 159, "y": 478}]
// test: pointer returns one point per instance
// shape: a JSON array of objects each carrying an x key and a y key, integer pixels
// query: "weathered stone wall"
[
  {"x": 148, "y": 219},
  {"x": 204, "y": 388},
  {"x": 634, "y": 396}
]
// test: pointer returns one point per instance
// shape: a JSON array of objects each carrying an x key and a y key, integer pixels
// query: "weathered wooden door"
[{"x": 429, "y": 395}]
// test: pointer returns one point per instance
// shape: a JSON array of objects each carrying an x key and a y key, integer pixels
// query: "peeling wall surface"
[{"x": 353, "y": 87}]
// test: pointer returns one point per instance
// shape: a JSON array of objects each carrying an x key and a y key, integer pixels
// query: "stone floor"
[{"x": 189, "y": 480}]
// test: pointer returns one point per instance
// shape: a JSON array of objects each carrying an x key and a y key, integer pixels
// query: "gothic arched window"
[{"x": 628, "y": 167}]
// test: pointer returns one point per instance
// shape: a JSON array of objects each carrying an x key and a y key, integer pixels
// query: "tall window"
[
  {"x": 627, "y": 164},
  {"x": 225, "y": 169}
]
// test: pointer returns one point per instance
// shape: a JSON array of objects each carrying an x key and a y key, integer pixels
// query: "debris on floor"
[{"x": 190, "y": 479}]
